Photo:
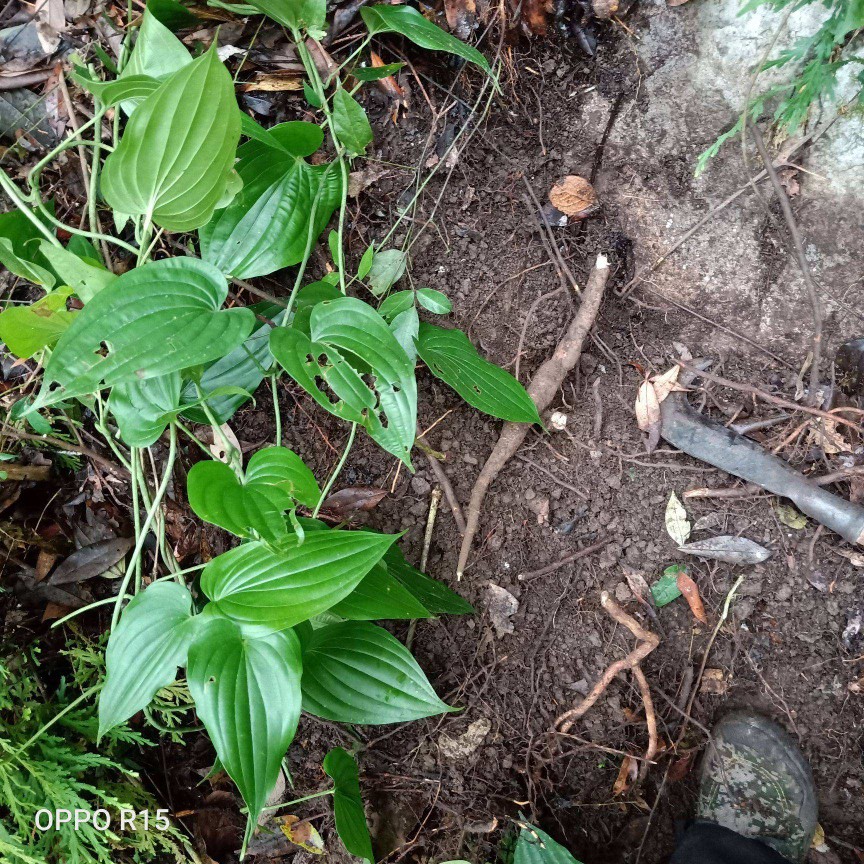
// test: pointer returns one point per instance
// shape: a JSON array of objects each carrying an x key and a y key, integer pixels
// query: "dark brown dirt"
[{"x": 781, "y": 651}]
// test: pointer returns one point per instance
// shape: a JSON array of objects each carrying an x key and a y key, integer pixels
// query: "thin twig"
[
  {"x": 551, "y": 568},
  {"x": 794, "y": 232},
  {"x": 65, "y": 446}
]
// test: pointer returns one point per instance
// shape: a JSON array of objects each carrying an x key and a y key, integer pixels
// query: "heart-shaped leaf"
[
  {"x": 275, "y": 478},
  {"x": 308, "y": 15},
  {"x": 348, "y": 804},
  {"x": 144, "y": 651},
  {"x": 256, "y": 585},
  {"x": 267, "y": 226},
  {"x": 247, "y": 694},
  {"x": 157, "y": 53},
  {"x": 143, "y": 409},
  {"x": 378, "y": 597},
  {"x": 411, "y": 24},
  {"x": 156, "y": 319},
  {"x": 351, "y": 123},
  {"x": 349, "y": 339},
  {"x": 177, "y": 151},
  {"x": 356, "y": 672},
  {"x": 451, "y": 357}
]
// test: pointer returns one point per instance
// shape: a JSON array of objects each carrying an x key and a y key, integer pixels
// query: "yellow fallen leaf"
[
  {"x": 677, "y": 523},
  {"x": 790, "y": 517},
  {"x": 302, "y": 833}
]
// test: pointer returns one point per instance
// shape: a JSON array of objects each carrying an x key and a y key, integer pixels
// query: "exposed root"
[
  {"x": 648, "y": 641},
  {"x": 542, "y": 389}
]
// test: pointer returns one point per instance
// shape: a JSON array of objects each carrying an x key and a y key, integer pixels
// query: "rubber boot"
[{"x": 756, "y": 782}]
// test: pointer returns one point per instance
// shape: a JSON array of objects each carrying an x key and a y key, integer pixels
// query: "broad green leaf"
[
  {"x": 274, "y": 479},
  {"x": 158, "y": 53},
  {"x": 283, "y": 471},
  {"x": 30, "y": 328},
  {"x": 143, "y": 409},
  {"x": 395, "y": 303},
  {"x": 247, "y": 694},
  {"x": 388, "y": 267},
  {"x": 351, "y": 123},
  {"x": 451, "y": 357},
  {"x": 536, "y": 847},
  {"x": 437, "y": 597},
  {"x": 243, "y": 368},
  {"x": 23, "y": 266},
  {"x": 158, "y": 318},
  {"x": 130, "y": 89},
  {"x": 434, "y": 301},
  {"x": 356, "y": 672},
  {"x": 307, "y": 299},
  {"x": 86, "y": 280},
  {"x": 267, "y": 226},
  {"x": 376, "y": 73},
  {"x": 308, "y": 15},
  {"x": 174, "y": 15},
  {"x": 378, "y": 597},
  {"x": 177, "y": 150},
  {"x": 349, "y": 339},
  {"x": 149, "y": 643},
  {"x": 405, "y": 327},
  {"x": 310, "y": 95},
  {"x": 666, "y": 589},
  {"x": 348, "y": 804},
  {"x": 411, "y": 24},
  {"x": 254, "y": 584},
  {"x": 297, "y": 137}
]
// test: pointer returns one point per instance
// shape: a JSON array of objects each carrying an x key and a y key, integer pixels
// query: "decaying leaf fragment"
[
  {"x": 502, "y": 605},
  {"x": 574, "y": 196},
  {"x": 627, "y": 774},
  {"x": 461, "y": 17},
  {"x": 732, "y": 550},
  {"x": 304, "y": 834},
  {"x": 690, "y": 590},
  {"x": 648, "y": 413},
  {"x": 677, "y": 523}
]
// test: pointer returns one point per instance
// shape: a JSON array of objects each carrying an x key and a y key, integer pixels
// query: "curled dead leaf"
[
  {"x": 667, "y": 383},
  {"x": 574, "y": 196},
  {"x": 302, "y": 833},
  {"x": 690, "y": 591},
  {"x": 648, "y": 413},
  {"x": 627, "y": 774},
  {"x": 714, "y": 682}
]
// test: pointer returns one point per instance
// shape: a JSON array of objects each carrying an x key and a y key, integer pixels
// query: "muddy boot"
[{"x": 756, "y": 782}]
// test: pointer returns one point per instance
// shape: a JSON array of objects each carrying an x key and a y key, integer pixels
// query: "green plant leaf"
[
  {"x": 86, "y": 280},
  {"x": 23, "y": 267},
  {"x": 350, "y": 339},
  {"x": 275, "y": 478},
  {"x": 536, "y": 847},
  {"x": 411, "y": 24},
  {"x": 129, "y": 90},
  {"x": 149, "y": 643},
  {"x": 666, "y": 589},
  {"x": 247, "y": 694},
  {"x": 28, "y": 329},
  {"x": 297, "y": 137},
  {"x": 308, "y": 15},
  {"x": 395, "y": 303},
  {"x": 451, "y": 357},
  {"x": 158, "y": 53},
  {"x": 243, "y": 368},
  {"x": 356, "y": 672},
  {"x": 348, "y": 803},
  {"x": 351, "y": 123},
  {"x": 143, "y": 409},
  {"x": 437, "y": 597},
  {"x": 376, "y": 73},
  {"x": 378, "y": 597},
  {"x": 256, "y": 585},
  {"x": 177, "y": 151},
  {"x": 365, "y": 262},
  {"x": 267, "y": 226},
  {"x": 434, "y": 301},
  {"x": 405, "y": 327},
  {"x": 388, "y": 267},
  {"x": 174, "y": 15},
  {"x": 311, "y": 96},
  {"x": 158, "y": 318}
]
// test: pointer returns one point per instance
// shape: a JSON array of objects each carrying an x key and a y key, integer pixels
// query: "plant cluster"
[{"x": 283, "y": 621}]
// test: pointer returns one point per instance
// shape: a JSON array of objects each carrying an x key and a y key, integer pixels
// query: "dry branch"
[{"x": 542, "y": 389}]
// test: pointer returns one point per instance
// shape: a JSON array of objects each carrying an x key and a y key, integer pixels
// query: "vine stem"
[
  {"x": 148, "y": 521},
  {"x": 298, "y": 800},
  {"x": 336, "y": 471},
  {"x": 23, "y": 205},
  {"x": 135, "y": 466},
  {"x": 276, "y": 413}
]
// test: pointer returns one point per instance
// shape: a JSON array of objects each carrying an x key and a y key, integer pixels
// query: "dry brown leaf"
[
  {"x": 604, "y": 9},
  {"x": 44, "y": 563},
  {"x": 574, "y": 196},
  {"x": 690, "y": 590},
  {"x": 388, "y": 86},
  {"x": 680, "y": 768},
  {"x": 648, "y": 413},
  {"x": 714, "y": 682},
  {"x": 535, "y": 14},
  {"x": 273, "y": 83},
  {"x": 824, "y": 434},
  {"x": 302, "y": 833},
  {"x": 856, "y": 559},
  {"x": 626, "y": 776},
  {"x": 856, "y": 686},
  {"x": 667, "y": 383}
]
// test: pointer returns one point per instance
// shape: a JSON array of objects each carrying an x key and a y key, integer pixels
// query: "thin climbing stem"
[
  {"x": 336, "y": 471},
  {"x": 277, "y": 414}
]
